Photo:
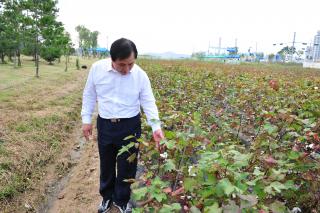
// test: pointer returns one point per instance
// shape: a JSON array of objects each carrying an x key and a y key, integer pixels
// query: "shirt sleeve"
[
  {"x": 148, "y": 104},
  {"x": 89, "y": 99}
]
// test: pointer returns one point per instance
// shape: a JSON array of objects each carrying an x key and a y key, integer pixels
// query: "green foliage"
[
  {"x": 50, "y": 53},
  {"x": 87, "y": 39},
  {"x": 234, "y": 142},
  {"x": 30, "y": 27}
]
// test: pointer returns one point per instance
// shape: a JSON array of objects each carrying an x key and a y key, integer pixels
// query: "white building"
[{"x": 316, "y": 47}]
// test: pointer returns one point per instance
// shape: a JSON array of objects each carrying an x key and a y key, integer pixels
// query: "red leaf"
[
  {"x": 178, "y": 191},
  {"x": 148, "y": 183},
  {"x": 270, "y": 161},
  {"x": 213, "y": 127},
  {"x": 167, "y": 190},
  {"x": 274, "y": 84},
  {"x": 295, "y": 148}
]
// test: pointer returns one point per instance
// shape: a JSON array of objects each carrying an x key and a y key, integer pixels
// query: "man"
[{"x": 120, "y": 87}]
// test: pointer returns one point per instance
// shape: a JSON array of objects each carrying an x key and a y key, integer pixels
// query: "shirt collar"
[{"x": 109, "y": 66}]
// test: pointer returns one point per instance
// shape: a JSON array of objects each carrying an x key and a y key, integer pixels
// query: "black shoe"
[
  {"x": 105, "y": 206},
  {"x": 124, "y": 209}
]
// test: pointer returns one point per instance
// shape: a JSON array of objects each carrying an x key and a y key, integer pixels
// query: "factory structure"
[{"x": 313, "y": 51}]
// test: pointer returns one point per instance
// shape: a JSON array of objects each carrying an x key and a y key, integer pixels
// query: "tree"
[
  {"x": 66, "y": 46},
  {"x": 13, "y": 18},
  {"x": 284, "y": 52},
  {"x": 198, "y": 55},
  {"x": 53, "y": 39},
  {"x": 30, "y": 27},
  {"x": 271, "y": 57},
  {"x": 3, "y": 39},
  {"x": 84, "y": 39},
  {"x": 94, "y": 41},
  {"x": 87, "y": 40}
]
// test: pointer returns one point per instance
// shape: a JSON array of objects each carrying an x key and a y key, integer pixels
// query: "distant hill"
[{"x": 167, "y": 55}]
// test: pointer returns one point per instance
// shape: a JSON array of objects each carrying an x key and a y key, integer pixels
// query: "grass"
[{"x": 36, "y": 115}]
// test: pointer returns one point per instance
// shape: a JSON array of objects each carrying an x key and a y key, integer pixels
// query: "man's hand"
[
  {"x": 157, "y": 137},
  {"x": 87, "y": 130}
]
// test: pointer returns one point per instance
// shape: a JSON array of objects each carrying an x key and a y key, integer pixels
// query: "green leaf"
[
  {"x": 128, "y": 137},
  {"x": 248, "y": 201},
  {"x": 159, "y": 196},
  {"x": 140, "y": 193},
  {"x": 241, "y": 160},
  {"x": 278, "y": 207},
  {"x": 174, "y": 207},
  {"x": 138, "y": 210},
  {"x": 132, "y": 157},
  {"x": 270, "y": 128},
  {"x": 257, "y": 172},
  {"x": 189, "y": 184},
  {"x": 231, "y": 208},
  {"x": 214, "y": 208},
  {"x": 225, "y": 186},
  {"x": 275, "y": 187},
  {"x": 293, "y": 155},
  {"x": 170, "y": 144},
  {"x": 206, "y": 192},
  {"x": 169, "y": 165},
  {"x": 210, "y": 180},
  {"x": 290, "y": 185},
  {"x": 169, "y": 134},
  {"x": 125, "y": 148},
  {"x": 194, "y": 209}
]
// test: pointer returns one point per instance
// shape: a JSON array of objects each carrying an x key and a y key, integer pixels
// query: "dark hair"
[{"x": 122, "y": 49}]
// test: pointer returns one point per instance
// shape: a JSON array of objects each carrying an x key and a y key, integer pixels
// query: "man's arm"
[
  {"x": 89, "y": 100},
  {"x": 149, "y": 107}
]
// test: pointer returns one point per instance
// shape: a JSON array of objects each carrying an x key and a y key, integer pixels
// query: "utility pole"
[
  {"x": 293, "y": 42},
  {"x": 313, "y": 52}
]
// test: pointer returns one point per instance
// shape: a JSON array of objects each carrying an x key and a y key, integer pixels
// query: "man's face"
[{"x": 124, "y": 66}]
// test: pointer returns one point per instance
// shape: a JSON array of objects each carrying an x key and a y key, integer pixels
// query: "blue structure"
[
  {"x": 98, "y": 50},
  {"x": 222, "y": 56},
  {"x": 101, "y": 50}
]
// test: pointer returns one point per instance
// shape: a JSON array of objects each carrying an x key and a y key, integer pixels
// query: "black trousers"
[{"x": 114, "y": 169}]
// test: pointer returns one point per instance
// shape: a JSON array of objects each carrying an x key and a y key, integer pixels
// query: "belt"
[{"x": 117, "y": 120}]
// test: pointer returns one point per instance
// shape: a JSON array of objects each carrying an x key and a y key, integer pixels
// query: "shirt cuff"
[
  {"x": 86, "y": 119},
  {"x": 155, "y": 126}
]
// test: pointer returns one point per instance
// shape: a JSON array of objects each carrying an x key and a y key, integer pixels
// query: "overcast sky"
[{"x": 186, "y": 26}]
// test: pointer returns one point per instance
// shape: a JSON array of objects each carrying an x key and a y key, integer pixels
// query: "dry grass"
[{"x": 36, "y": 115}]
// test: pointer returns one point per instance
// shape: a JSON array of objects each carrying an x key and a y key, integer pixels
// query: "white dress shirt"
[{"x": 118, "y": 96}]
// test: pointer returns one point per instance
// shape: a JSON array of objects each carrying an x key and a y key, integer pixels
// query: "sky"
[{"x": 187, "y": 26}]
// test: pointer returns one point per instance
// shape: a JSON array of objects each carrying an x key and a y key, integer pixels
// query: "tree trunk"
[
  {"x": 15, "y": 60},
  {"x": 37, "y": 57},
  {"x": 19, "y": 58},
  {"x": 2, "y": 58},
  {"x": 10, "y": 57},
  {"x": 66, "y": 69}
]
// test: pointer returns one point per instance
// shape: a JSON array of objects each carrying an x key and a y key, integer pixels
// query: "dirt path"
[{"x": 78, "y": 191}]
